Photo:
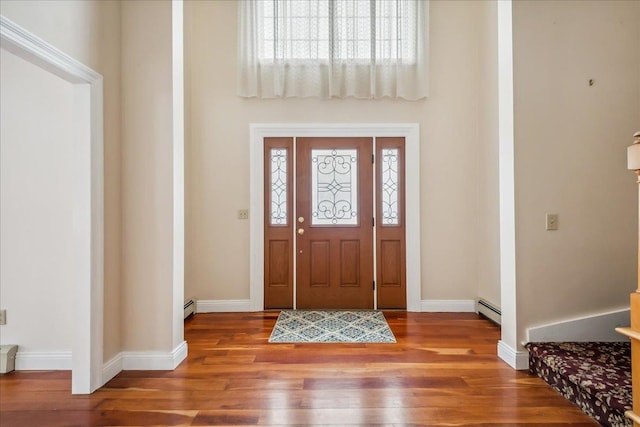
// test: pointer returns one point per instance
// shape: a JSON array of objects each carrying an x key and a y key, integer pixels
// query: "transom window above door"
[
  {"x": 333, "y": 48},
  {"x": 337, "y": 30}
]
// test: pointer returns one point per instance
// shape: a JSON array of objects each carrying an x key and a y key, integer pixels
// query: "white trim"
[
  {"x": 112, "y": 368},
  {"x": 448, "y": 306},
  {"x": 144, "y": 361},
  {"x": 518, "y": 360},
  {"x": 177, "y": 62},
  {"x": 374, "y": 207},
  {"x": 88, "y": 199},
  {"x": 179, "y": 353},
  {"x": 411, "y": 133},
  {"x": 506, "y": 175},
  {"x": 596, "y": 327},
  {"x": 43, "y": 360},
  {"x": 154, "y": 360},
  {"x": 223, "y": 306},
  {"x": 413, "y": 211},
  {"x": 39, "y": 52}
]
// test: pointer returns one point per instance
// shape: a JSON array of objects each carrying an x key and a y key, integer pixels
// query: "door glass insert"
[
  {"x": 334, "y": 187},
  {"x": 390, "y": 215},
  {"x": 279, "y": 214}
]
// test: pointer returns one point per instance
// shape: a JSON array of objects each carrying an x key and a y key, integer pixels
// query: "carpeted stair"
[{"x": 596, "y": 376}]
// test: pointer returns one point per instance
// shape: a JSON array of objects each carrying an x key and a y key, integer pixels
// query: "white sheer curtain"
[{"x": 333, "y": 48}]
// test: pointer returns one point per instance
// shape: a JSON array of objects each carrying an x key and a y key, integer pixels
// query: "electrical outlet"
[
  {"x": 552, "y": 222},
  {"x": 243, "y": 214},
  {"x": 3, "y": 317}
]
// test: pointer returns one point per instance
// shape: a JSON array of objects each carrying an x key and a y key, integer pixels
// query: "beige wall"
[
  {"x": 89, "y": 31},
  {"x": 488, "y": 211},
  {"x": 570, "y": 141},
  {"x": 36, "y": 228},
  {"x": 147, "y": 168},
  {"x": 217, "y": 249}
]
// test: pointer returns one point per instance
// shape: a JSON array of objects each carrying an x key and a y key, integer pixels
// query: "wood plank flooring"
[{"x": 443, "y": 371}]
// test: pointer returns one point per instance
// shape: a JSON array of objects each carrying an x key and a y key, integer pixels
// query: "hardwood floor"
[{"x": 442, "y": 372}]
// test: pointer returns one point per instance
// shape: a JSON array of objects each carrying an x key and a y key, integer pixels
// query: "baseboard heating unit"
[
  {"x": 488, "y": 310},
  {"x": 189, "y": 307}
]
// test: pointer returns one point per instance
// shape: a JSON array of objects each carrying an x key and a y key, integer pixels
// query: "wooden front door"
[
  {"x": 328, "y": 241},
  {"x": 334, "y": 224}
]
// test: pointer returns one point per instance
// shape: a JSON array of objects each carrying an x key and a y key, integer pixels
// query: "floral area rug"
[
  {"x": 331, "y": 326},
  {"x": 596, "y": 376}
]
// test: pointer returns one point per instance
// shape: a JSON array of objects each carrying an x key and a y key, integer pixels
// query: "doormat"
[{"x": 331, "y": 326}]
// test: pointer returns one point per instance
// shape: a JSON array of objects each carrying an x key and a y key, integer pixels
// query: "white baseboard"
[
  {"x": 231, "y": 306},
  {"x": 43, "y": 360},
  {"x": 154, "y": 360},
  {"x": 518, "y": 360},
  {"x": 179, "y": 354},
  {"x": 112, "y": 368},
  {"x": 597, "y": 327},
  {"x": 222, "y": 306},
  {"x": 448, "y": 306},
  {"x": 144, "y": 361}
]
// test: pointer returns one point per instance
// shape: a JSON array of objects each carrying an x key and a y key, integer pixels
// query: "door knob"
[
  {"x": 301, "y": 219},
  {"x": 301, "y": 231}
]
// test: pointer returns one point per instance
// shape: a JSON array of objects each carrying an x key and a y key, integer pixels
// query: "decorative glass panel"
[
  {"x": 279, "y": 214},
  {"x": 334, "y": 187},
  {"x": 389, "y": 183}
]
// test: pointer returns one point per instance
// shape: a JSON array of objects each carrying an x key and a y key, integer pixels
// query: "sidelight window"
[
  {"x": 278, "y": 173},
  {"x": 390, "y": 186}
]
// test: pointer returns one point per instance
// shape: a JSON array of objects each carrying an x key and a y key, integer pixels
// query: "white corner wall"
[
  {"x": 508, "y": 348},
  {"x": 177, "y": 122},
  {"x": 147, "y": 171},
  {"x": 152, "y": 197},
  {"x": 36, "y": 213}
]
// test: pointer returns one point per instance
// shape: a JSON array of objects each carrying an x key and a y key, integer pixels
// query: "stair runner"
[{"x": 595, "y": 376}]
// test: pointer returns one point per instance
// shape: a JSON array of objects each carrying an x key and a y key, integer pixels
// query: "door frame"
[{"x": 259, "y": 131}]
